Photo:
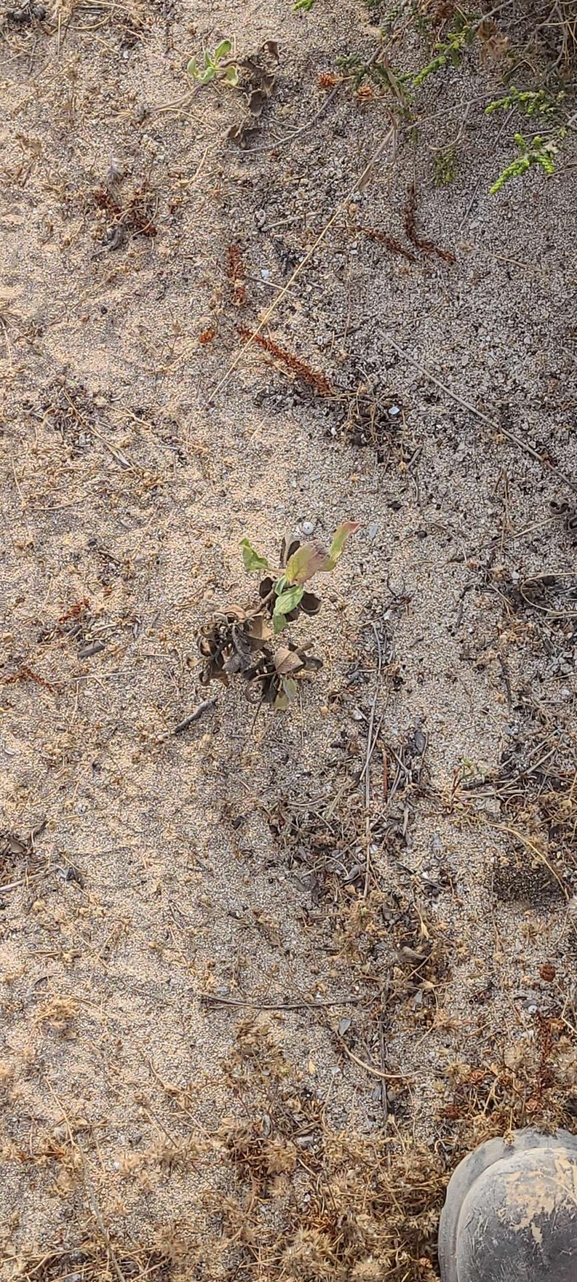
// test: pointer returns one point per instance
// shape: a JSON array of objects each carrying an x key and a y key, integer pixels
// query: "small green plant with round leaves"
[
  {"x": 215, "y": 66},
  {"x": 241, "y": 641}
]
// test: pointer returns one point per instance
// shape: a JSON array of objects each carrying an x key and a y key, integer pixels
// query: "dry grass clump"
[
  {"x": 310, "y": 1201},
  {"x": 336, "y": 1205},
  {"x": 555, "y": 27},
  {"x": 91, "y": 1261},
  {"x": 529, "y": 1082}
]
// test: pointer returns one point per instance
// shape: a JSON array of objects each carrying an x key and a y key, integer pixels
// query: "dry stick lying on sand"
[
  {"x": 478, "y": 413},
  {"x": 194, "y": 716},
  {"x": 211, "y": 999},
  {"x": 371, "y": 742}
]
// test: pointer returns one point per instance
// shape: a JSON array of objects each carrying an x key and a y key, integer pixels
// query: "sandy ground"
[{"x": 416, "y": 938}]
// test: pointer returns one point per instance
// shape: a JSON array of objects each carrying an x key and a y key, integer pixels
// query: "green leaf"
[
  {"x": 251, "y": 558},
  {"x": 288, "y": 600},
  {"x": 338, "y": 543},
  {"x": 231, "y": 75},
  {"x": 278, "y": 622},
  {"x": 192, "y": 69},
  {"x": 208, "y": 75},
  {"x": 306, "y": 561},
  {"x": 222, "y": 50}
]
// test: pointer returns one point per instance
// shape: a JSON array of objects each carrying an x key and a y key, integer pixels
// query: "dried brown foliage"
[
  {"x": 237, "y": 642},
  {"x": 295, "y": 364},
  {"x": 236, "y": 274},
  {"x": 410, "y": 221},
  {"x": 528, "y": 1082},
  {"x": 394, "y": 245},
  {"x": 374, "y": 420},
  {"x": 136, "y": 216},
  {"x": 314, "y": 1202},
  {"x": 90, "y": 1261}
]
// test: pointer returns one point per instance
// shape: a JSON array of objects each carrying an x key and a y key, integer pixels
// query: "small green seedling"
[
  {"x": 216, "y": 65},
  {"x": 241, "y": 641},
  {"x": 303, "y": 6}
]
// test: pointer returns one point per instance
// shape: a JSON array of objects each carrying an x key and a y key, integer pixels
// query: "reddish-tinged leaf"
[
  {"x": 308, "y": 560},
  {"x": 339, "y": 540}
]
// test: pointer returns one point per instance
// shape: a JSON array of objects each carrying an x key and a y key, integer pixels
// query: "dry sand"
[{"x": 231, "y": 859}]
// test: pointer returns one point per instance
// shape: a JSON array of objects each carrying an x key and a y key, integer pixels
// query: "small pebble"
[{"x": 307, "y": 527}]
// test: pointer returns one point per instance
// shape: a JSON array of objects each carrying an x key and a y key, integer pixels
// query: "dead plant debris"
[
  {"x": 394, "y": 246},
  {"x": 315, "y": 378},
  {"x": 23, "y": 15},
  {"x": 134, "y": 216},
  {"x": 373, "y": 419},
  {"x": 236, "y": 274},
  {"x": 257, "y": 80},
  {"x": 236, "y": 641},
  {"x": 18, "y": 855},
  {"x": 90, "y": 1261},
  {"x": 410, "y": 221},
  {"x": 345, "y": 1205}
]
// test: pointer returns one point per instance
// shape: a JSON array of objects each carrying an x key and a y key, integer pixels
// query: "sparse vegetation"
[
  {"x": 448, "y": 49},
  {"x": 537, "y": 152},
  {"x": 445, "y": 165},
  {"x": 265, "y": 980},
  {"x": 238, "y": 641}
]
